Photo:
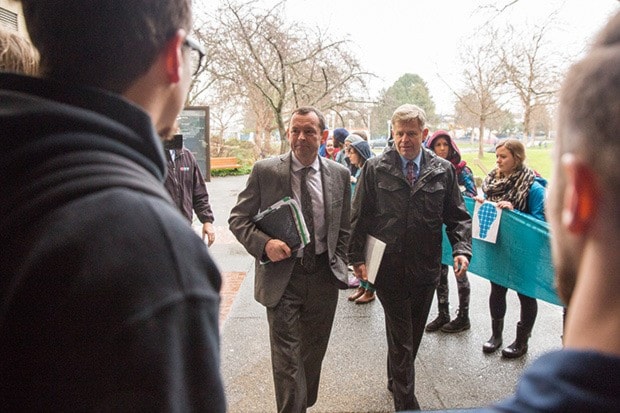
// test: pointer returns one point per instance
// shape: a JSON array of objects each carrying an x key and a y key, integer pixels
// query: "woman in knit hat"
[{"x": 359, "y": 153}]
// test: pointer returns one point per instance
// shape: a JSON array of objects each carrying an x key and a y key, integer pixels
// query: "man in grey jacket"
[
  {"x": 299, "y": 288},
  {"x": 403, "y": 197}
]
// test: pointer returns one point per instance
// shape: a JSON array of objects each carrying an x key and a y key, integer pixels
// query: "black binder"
[{"x": 284, "y": 221}]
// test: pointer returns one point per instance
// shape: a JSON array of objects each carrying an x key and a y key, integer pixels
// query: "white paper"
[
  {"x": 373, "y": 256},
  {"x": 485, "y": 222}
]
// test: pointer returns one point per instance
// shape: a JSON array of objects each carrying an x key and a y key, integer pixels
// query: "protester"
[
  {"x": 299, "y": 289},
  {"x": 406, "y": 209},
  {"x": 445, "y": 147},
  {"x": 359, "y": 153},
  {"x": 339, "y": 135},
  {"x": 353, "y": 137},
  {"x": 330, "y": 150},
  {"x": 186, "y": 185},
  {"x": 512, "y": 185},
  {"x": 109, "y": 300},
  {"x": 17, "y": 54}
]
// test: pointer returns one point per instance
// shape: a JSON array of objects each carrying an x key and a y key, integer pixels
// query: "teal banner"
[{"x": 520, "y": 259}]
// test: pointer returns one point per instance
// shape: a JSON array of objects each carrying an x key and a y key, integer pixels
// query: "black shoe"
[
  {"x": 495, "y": 341},
  {"x": 519, "y": 347},
  {"x": 514, "y": 351},
  {"x": 441, "y": 320},
  {"x": 492, "y": 345},
  {"x": 460, "y": 323}
]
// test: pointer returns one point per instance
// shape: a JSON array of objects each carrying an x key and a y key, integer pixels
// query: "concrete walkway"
[{"x": 451, "y": 369}]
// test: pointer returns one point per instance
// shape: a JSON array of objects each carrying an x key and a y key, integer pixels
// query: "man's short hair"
[
  {"x": 17, "y": 54},
  {"x": 103, "y": 43},
  {"x": 304, "y": 110},
  {"x": 409, "y": 112},
  {"x": 589, "y": 114}
]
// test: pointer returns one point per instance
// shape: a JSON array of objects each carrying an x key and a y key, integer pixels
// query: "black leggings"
[{"x": 497, "y": 305}]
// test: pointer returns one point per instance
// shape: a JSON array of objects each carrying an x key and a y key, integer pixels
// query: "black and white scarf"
[{"x": 513, "y": 188}]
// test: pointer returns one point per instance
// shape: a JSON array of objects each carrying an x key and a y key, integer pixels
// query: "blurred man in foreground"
[{"x": 109, "y": 301}]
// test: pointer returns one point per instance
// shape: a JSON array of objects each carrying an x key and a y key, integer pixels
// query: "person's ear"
[
  {"x": 173, "y": 56},
  {"x": 581, "y": 195}
]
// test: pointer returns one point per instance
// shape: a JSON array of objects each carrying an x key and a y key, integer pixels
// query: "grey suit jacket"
[{"x": 269, "y": 182}]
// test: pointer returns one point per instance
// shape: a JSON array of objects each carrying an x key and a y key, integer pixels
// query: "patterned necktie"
[
  {"x": 309, "y": 256},
  {"x": 412, "y": 172}
]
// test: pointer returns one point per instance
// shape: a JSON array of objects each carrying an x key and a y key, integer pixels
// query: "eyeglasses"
[{"x": 197, "y": 54}]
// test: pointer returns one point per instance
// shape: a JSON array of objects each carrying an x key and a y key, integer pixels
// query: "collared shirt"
[
  {"x": 315, "y": 187},
  {"x": 415, "y": 160}
]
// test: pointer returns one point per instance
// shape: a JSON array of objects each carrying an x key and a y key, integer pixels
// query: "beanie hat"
[
  {"x": 340, "y": 134},
  {"x": 363, "y": 148},
  {"x": 353, "y": 138}
]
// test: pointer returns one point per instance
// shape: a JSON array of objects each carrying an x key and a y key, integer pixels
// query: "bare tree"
[
  {"x": 279, "y": 65},
  {"x": 532, "y": 68},
  {"x": 484, "y": 93}
]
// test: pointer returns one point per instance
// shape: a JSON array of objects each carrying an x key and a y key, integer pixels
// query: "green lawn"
[{"x": 537, "y": 158}]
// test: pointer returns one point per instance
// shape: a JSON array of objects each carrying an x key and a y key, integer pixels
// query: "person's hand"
[
  {"x": 359, "y": 270},
  {"x": 277, "y": 250},
  {"x": 209, "y": 231},
  {"x": 479, "y": 198},
  {"x": 461, "y": 264},
  {"x": 505, "y": 205}
]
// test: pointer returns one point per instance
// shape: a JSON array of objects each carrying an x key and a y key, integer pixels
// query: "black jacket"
[
  {"x": 409, "y": 219},
  {"x": 109, "y": 300},
  {"x": 186, "y": 185}
]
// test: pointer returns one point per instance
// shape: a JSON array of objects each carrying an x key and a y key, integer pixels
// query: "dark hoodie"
[
  {"x": 463, "y": 172},
  {"x": 109, "y": 300}
]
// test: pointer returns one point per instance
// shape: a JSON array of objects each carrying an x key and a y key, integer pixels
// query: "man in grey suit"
[{"x": 298, "y": 288}]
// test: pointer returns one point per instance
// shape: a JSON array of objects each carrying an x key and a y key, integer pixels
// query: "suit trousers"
[
  {"x": 405, "y": 319},
  {"x": 299, "y": 329}
]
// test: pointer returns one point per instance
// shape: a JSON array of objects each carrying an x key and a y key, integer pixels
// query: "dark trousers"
[
  {"x": 497, "y": 305},
  {"x": 299, "y": 329},
  {"x": 405, "y": 318}
]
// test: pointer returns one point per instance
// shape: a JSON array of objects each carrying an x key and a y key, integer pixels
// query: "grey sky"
[{"x": 393, "y": 37}]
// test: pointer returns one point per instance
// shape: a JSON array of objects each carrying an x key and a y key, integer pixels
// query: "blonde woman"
[
  {"x": 17, "y": 55},
  {"x": 512, "y": 185}
]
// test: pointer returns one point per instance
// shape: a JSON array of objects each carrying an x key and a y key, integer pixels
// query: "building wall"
[{"x": 8, "y": 10}]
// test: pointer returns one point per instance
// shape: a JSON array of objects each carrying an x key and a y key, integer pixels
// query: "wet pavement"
[{"x": 451, "y": 369}]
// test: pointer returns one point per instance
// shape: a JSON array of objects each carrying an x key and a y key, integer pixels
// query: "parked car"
[{"x": 379, "y": 142}]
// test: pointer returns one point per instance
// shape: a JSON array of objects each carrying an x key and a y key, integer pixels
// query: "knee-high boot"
[
  {"x": 496, "y": 339},
  {"x": 519, "y": 347}
]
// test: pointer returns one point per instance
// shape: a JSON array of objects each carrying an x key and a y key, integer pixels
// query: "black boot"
[
  {"x": 442, "y": 318},
  {"x": 519, "y": 347},
  {"x": 460, "y": 323},
  {"x": 496, "y": 339}
]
